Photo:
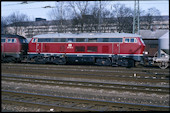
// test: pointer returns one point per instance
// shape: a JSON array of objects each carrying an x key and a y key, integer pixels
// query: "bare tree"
[
  {"x": 123, "y": 16},
  {"x": 100, "y": 15},
  {"x": 149, "y": 17},
  {"x": 4, "y": 24},
  {"x": 16, "y": 20},
  {"x": 59, "y": 14},
  {"x": 79, "y": 8}
]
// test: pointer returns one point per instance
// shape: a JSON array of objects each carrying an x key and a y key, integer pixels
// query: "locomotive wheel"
[
  {"x": 103, "y": 62},
  {"x": 59, "y": 61},
  {"x": 131, "y": 63},
  {"x": 41, "y": 60},
  {"x": 9, "y": 59},
  {"x": 163, "y": 65},
  {"x": 126, "y": 63}
]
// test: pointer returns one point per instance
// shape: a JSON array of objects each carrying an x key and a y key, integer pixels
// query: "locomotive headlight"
[
  {"x": 166, "y": 56},
  {"x": 145, "y": 52}
]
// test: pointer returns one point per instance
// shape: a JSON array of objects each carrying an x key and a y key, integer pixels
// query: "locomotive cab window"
[
  {"x": 130, "y": 40},
  {"x": 133, "y": 40},
  {"x": 24, "y": 41},
  {"x": 34, "y": 40},
  {"x": 127, "y": 40},
  {"x": 11, "y": 40}
]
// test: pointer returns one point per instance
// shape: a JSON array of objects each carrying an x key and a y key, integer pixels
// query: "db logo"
[{"x": 70, "y": 46}]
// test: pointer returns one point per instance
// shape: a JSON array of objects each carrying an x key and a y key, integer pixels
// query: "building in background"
[{"x": 150, "y": 38}]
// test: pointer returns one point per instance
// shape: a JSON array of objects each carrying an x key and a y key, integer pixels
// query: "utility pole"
[
  {"x": 61, "y": 14},
  {"x": 100, "y": 17},
  {"x": 136, "y": 23}
]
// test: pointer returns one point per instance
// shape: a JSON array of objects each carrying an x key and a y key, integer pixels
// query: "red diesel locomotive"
[
  {"x": 116, "y": 49},
  {"x": 13, "y": 48}
]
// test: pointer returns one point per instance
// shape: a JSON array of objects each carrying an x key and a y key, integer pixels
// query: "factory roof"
[{"x": 150, "y": 34}]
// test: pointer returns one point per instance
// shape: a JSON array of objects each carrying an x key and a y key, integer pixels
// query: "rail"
[
  {"x": 76, "y": 103},
  {"x": 87, "y": 84}
]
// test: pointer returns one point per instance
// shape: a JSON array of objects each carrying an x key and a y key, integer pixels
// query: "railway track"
[
  {"x": 73, "y": 104},
  {"x": 88, "y": 72},
  {"x": 148, "y": 88},
  {"x": 87, "y": 84},
  {"x": 149, "y": 70}
]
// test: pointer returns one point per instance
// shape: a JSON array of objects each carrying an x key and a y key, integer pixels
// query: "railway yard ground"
[{"x": 27, "y": 87}]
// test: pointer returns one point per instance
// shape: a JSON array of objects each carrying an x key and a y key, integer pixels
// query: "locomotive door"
[
  {"x": 39, "y": 47},
  {"x": 116, "y": 48}
]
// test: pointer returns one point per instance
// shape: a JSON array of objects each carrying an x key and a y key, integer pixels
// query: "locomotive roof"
[
  {"x": 86, "y": 35},
  {"x": 11, "y": 36}
]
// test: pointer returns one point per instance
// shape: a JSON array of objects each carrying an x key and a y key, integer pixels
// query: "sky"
[{"x": 34, "y": 9}]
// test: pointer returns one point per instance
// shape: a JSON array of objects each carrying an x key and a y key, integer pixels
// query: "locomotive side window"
[
  {"x": 52, "y": 40},
  {"x": 62, "y": 39},
  {"x": 116, "y": 40},
  {"x": 44, "y": 40},
  {"x": 2, "y": 40},
  {"x": 105, "y": 39},
  {"x": 70, "y": 40},
  {"x": 55, "y": 40},
  {"x": 79, "y": 49},
  {"x": 58, "y": 40},
  {"x": 100, "y": 40},
  {"x": 110, "y": 40},
  {"x": 92, "y": 40},
  {"x": 80, "y": 40},
  {"x": 91, "y": 48}
]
